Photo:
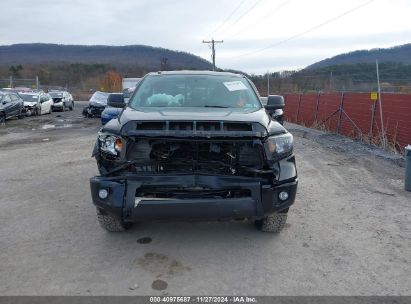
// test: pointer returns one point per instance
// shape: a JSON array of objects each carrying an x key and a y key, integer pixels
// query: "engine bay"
[{"x": 236, "y": 157}]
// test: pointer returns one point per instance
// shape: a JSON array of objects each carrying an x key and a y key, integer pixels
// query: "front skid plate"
[{"x": 149, "y": 209}]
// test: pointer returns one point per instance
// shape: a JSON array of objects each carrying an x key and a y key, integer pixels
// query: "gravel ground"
[{"x": 348, "y": 233}]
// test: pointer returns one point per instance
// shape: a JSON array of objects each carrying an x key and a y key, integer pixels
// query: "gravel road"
[{"x": 349, "y": 232}]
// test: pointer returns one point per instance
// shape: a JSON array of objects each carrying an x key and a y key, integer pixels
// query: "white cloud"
[{"x": 182, "y": 24}]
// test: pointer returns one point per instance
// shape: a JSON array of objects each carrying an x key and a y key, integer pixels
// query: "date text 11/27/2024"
[{"x": 203, "y": 299}]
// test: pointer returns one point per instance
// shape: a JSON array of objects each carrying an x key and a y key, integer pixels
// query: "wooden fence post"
[
  {"x": 317, "y": 107},
  {"x": 298, "y": 109},
  {"x": 373, "y": 109},
  {"x": 341, "y": 112}
]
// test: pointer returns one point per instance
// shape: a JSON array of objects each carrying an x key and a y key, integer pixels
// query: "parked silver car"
[{"x": 62, "y": 100}]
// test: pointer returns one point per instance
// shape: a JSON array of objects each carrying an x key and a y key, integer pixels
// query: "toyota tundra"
[{"x": 194, "y": 145}]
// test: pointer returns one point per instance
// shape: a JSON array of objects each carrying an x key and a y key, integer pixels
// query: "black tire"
[
  {"x": 273, "y": 223},
  {"x": 2, "y": 119},
  {"x": 110, "y": 222},
  {"x": 21, "y": 115},
  {"x": 72, "y": 106}
]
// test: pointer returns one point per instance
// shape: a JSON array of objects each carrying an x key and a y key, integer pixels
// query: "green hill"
[
  {"x": 397, "y": 54},
  {"x": 139, "y": 55}
]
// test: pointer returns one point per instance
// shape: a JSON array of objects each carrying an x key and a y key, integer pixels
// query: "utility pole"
[
  {"x": 268, "y": 83},
  {"x": 213, "y": 42}
]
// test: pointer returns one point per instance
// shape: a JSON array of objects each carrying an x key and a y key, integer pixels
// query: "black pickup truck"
[{"x": 194, "y": 145}]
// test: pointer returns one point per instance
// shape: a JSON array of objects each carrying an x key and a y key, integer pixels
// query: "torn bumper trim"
[{"x": 123, "y": 201}]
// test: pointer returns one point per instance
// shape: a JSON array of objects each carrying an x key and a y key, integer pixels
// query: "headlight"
[
  {"x": 280, "y": 145},
  {"x": 110, "y": 144}
]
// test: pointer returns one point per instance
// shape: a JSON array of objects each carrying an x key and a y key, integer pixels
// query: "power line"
[
  {"x": 260, "y": 20},
  {"x": 241, "y": 17},
  {"x": 307, "y": 31},
  {"x": 226, "y": 19}
]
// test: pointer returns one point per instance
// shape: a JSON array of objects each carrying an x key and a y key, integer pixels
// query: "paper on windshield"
[{"x": 235, "y": 86}]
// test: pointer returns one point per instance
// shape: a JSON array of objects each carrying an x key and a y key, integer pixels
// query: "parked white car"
[
  {"x": 37, "y": 103},
  {"x": 46, "y": 104}
]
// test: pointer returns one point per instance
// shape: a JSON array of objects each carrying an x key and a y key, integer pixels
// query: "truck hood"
[
  {"x": 260, "y": 122},
  {"x": 196, "y": 114}
]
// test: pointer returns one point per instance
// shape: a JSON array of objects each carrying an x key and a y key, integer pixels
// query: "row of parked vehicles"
[{"x": 21, "y": 102}]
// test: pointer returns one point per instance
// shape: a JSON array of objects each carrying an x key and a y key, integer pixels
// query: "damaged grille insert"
[
  {"x": 190, "y": 193},
  {"x": 151, "y": 125},
  {"x": 214, "y": 126},
  {"x": 181, "y": 125},
  {"x": 235, "y": 126},
  {"x": 208, "y": 126},
  {"x": 197, "y": 156}
]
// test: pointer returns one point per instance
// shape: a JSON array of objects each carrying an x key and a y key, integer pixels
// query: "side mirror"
[
  {"x": 264, "y": 100},
  {"x": 116, "y": 101},
  {"x": 274, "y": 102},
  {"x": 278, "y": 115}
]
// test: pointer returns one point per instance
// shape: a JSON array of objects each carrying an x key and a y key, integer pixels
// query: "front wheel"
[
  {"x": 72, "y": 106},
  {"x": 110, "y": 222},
  {"x": 273, "y": 223},
  {"x": 2, "y": 119},
  {"x": 21, "y": 115}
]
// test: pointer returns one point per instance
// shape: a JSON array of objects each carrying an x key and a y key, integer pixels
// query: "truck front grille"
[
  {"x": 193, "y": 126},
  {"x": 197, "y": 156}
]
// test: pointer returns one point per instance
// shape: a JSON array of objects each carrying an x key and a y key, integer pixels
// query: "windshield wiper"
[{"x": 215, "y": 106}]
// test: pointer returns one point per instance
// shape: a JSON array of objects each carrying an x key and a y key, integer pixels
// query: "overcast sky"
[{"x": 183, "y": 24}]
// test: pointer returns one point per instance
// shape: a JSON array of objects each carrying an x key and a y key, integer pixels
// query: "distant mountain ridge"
[
  {"x": 397, "y": 54},
  {"x": 141, "y": 55}
]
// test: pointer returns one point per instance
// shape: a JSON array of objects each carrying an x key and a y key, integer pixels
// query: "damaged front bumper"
[
  {"x": 93, "y": 111},
  {"x": 32, "y": 110},
  {"x": 57, "y": 106},
  {"x": 151, "y": 197}
]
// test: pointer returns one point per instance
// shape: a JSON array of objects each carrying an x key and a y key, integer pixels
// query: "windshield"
[
  {"x": 29, "y": 97},
  {"x": 99, "y": 97},
  {"x": 128, "y": 92},
  {"x": 219, "y": 91},
  {"x": 56, "y": 94}
]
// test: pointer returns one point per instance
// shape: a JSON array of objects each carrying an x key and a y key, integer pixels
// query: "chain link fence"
[
  {"x": 356, "y": 115},
  {"x": 13, "y": 82}
]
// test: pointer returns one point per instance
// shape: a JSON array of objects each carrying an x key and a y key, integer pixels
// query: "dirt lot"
[{"x": 349, "y": 232}]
